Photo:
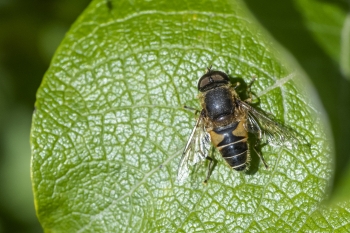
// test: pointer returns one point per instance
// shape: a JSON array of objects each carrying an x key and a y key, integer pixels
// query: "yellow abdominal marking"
[
  {"x": 216, "y": 138},
  {"x": 240, "y": 131}
]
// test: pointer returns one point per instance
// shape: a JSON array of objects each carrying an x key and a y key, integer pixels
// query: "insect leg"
[
  {"x": 196, "y": 111},
  {"x": 210, "y": 168},
  {"x": 249, "y": 91},
  {"x": 237, "y": 85},
  {"x": 262, "y": 158},
  {"x": 251, "y": 83},
  {"x": 257, "y": 131}
]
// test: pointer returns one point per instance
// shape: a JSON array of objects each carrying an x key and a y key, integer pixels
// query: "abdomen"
[{"x": 232, "y": 144}]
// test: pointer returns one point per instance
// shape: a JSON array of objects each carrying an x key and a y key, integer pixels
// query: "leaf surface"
[{"x": 109, "y": 127}]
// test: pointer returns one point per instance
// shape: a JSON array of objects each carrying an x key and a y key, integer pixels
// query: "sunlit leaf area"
[{"x": 93, "y": 123}]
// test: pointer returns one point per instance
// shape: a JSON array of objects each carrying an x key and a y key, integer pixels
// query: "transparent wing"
[
  {"x": 267, "y": 130},
  {"x": 196, "y": 150}
]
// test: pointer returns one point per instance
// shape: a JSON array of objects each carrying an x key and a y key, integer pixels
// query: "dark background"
[{"x": 30, "y": 32}]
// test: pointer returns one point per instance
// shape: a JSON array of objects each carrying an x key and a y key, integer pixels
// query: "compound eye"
[
  {"x": 212, "y": 79},
  {"x": 203, "y": 82},
  {"x": 218, "y": 78}
]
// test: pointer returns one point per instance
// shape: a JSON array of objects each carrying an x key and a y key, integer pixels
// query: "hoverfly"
[{"x": 225, "y": 121}]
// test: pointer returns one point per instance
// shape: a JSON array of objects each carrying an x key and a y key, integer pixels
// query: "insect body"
[
  {"x": 225, "y": 121},
  {"x": 222, "y": 121}
]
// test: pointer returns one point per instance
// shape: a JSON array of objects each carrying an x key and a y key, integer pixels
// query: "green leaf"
[
  {"x": 329, "y": 23},
  {"x": 345, "y": 48},
  {"x": 109, "y": 126},
  {"x": 325, "y": 20},
  {"x": 335, "y": 219}
]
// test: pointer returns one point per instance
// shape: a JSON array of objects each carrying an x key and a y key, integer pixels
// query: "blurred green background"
[{"x": 30, "y": 32}]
